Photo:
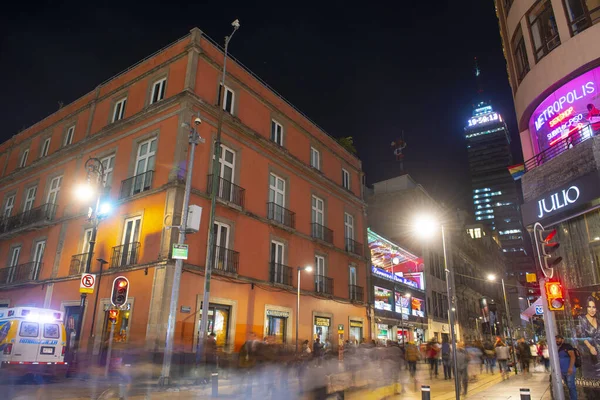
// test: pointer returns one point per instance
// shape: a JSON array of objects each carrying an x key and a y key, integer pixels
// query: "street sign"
[
  {"x": 180, "y": 252},
  {"x": 539, "y": 310},
  {"x": 87, "y": 283},
  {"x": 340, "y": 328},
  {"x": 531, "y": 278}
]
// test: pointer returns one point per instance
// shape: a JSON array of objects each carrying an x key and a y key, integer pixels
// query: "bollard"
[
  {"x": 525, "y": 394},
  {"x": 215, "y": 384},
  {"x": 425, "y": 392}
]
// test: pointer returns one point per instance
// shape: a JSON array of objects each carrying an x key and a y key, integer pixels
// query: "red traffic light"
[
  {"x": 112, "y": 315},
  {"x": 555, "y": 295},
  {"x": 549, "y": 236},
  {"x": 120, "y": 291}
]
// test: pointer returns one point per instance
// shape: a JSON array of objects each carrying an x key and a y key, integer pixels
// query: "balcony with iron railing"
[
  {"x": 228, "y": 191},
  {"x": 136, "y": 184},
  {"x": 125, "y": 255},
  {"x": 280, "y": 273},
  {"x": 321, "y": 232},
  {"x": 28, "y": 219},
  {"x": 323, "y": 284},
  {"x": 354, "y": 247},
  {"x": 226, "y": 260},
  {"x": 282, "y": 215},
  {"x": 78, "y": 263},
  {"x": 21, "y": 273},
  {"x": 558, "y": 147},
  {"x": 355, "y": 293}
]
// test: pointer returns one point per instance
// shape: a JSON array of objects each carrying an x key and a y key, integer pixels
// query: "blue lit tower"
[{"x": 495, "y": 194}]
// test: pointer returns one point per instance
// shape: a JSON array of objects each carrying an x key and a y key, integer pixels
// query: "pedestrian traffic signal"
[
  {"x": 556, "y": 298},
  {"x": 120, "y": 291},
  {"x": 545, "y": 248},
  {"x": 112, "y": 315}
]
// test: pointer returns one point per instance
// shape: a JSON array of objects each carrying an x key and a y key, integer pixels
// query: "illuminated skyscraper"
[{"x": 495, "y": 194}]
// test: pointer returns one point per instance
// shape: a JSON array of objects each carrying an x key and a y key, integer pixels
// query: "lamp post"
[
  {"x": 427, "y": 226},
  {"x": 408, "y": 296},
  {"x": 213, "y": 202},
  {"x": 492, "y": 277},
  {"x": 300, "y": 269},
  {"x": 86, "y": 192},
  {"x": 102, "y": 263},
  {"x": 194, "y": 140}
]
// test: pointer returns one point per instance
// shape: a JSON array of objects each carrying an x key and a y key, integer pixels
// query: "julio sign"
[{"x": 565, "y": 198}]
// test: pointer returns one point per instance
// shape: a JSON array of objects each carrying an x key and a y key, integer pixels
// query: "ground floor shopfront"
[{"x": 237, "y": 310}]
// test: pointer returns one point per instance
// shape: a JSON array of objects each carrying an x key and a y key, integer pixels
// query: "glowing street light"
[{"x": 492, "y": 277}]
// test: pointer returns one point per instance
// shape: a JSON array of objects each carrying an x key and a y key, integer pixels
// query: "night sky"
[{"x": 369, "y": 72}]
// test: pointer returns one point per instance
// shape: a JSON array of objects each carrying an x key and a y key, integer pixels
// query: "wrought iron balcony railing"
[
  {"x": 280, "y": 273},
  {"x": 125, "y": 255},
  {"x": 355, "y": 293},
  {"x": 282, "y": 215},
  {"x": 226, "y": 260},
  {"x": 322, "y": 232},
  {"x": 21, "y": 273},
  {"x": 354, "y": 247},
  {"x": 559, "y": 147},
  {"x": 323, "y": 284},
  {"x": 228, "y": 191},
  {"x": 78, "y": 263},
  {"x": 136, "y": 184},
  {"x": 30, "y": 218}
]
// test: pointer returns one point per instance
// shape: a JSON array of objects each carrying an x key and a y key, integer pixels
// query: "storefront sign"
[
  {"x": 356, "y": 324},
  {"x": 278, "y": 313},
  {"x": 340, "y": 328},
  {"x": 319, "y": 321},
  {"x": 571, "y": 195},
  {"x": 383, "y": 298},
  {"x": 391, "y": 277},
  {"x": 565, "y": 110}
]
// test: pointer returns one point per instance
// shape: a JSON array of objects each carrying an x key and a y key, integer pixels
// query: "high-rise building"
[{"x": 494, "y": 191}]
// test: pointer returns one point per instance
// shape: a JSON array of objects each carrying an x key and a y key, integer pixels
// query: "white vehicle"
[{"x": 32, "y": 340}]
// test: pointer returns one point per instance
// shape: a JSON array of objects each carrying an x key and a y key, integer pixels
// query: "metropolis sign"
[
  {"x": 567, "y": 197},
  {"x": 565, "y": 111}
]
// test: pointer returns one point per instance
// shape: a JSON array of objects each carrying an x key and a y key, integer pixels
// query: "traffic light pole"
[{"x": 550, "y": 326}]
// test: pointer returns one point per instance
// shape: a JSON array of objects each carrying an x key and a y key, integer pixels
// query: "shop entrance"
[
  {"x": 356, "y": 332},
  {"x": 321, "y": 329},
  {"x": 277, "y": 328},
  {"x": 218, "y": 322}
]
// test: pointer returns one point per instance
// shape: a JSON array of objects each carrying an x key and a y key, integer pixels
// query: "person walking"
[
  {"x": 462, "y": 363},
  {"x": 566, "y": 358},
  {"x": 503, "y": 355},
  {"x": 412, "y": 356},
  {"x": 524, "y": 352},
  {"x": 489, "y": 356},
  {"x": 446, "y": 358},
  {"x": 544, "y": 354},
  {"x": 432, "y": 357}
]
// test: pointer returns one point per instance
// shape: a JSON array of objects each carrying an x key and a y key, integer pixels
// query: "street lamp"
[
  {"x": 308, "y": 268},
  {"x": 408, "y": 296},
  {"x": 216, "y": 162},
  {"x": 492, "y": 277},
  {"x": 94, "y": 186},
  {"x": 427, "y": 226}
]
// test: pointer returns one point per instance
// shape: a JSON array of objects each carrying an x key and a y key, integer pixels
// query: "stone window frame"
[
  {"x": 235, "y": 89},
  {"x": 122, "y": 95},
  {"x": 65, "y": 132},
  {"x": 236, "y": 148},
  {"x": 286, "y": 247},
  {"x": 8, "y": 194}
]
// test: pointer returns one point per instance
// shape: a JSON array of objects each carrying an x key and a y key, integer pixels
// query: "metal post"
[
  {"x": 213, "y": 204},
  {"x": 425, "y": 392},
  {"x": 525, "y": 394},
  {"x": 451, "y": 317},
  {"x": 214, "y": 377},
  {"x": 92, "y": 165},
  {"x": 102, "y": 262},
  {"x": 510, "y": 328},
  {"x": 194, "y": 140},
  {"x": 298, "y": 311},
  {"x": 110, "y": 343},
  {"x": 550, "y": 326}
]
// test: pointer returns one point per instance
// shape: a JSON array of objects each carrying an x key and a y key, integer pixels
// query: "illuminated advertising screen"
[
  {"x": 565, "y": 112},
  {"x": 417, "y": 307},
  {"x": 402, "y": 304},
  {"x": 383, "y": 298}
]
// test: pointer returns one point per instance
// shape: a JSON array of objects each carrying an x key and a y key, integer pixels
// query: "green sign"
[{"x": 180, "y": 252}]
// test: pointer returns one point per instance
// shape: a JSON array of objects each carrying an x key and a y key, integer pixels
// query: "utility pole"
[
  {"x": 550, "y": 326},
  {"x": 213, "y": 203},
  {"x": 194, "y": 140}
]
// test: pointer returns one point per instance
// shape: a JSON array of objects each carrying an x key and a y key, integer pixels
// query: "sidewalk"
[{"x": 539, "y": 384}]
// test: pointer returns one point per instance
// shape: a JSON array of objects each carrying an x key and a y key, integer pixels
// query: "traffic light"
[
  {"x": 556, "y": 298},
  {"x": 546, "y": 248},
  {"x": 120, "y": 290},
  {"x": 112, "y": 316}
]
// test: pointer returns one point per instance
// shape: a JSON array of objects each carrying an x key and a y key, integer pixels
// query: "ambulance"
[{"x": 32, "y": 341}]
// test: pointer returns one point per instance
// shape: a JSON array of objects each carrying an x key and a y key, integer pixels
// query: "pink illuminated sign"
[{"x": 565, "y": 110}]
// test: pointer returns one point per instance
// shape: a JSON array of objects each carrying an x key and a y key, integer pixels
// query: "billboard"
[
  {"x": 383, "y": 298},
  {"x": 417, "y": 307},
  {"x": 402, "y": 304},
  {"x": 565, "y": 112},
  {"x": 585, "y": 303}
]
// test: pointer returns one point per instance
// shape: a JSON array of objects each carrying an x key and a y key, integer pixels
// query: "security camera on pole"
[{"x": 545, "y": 248}]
